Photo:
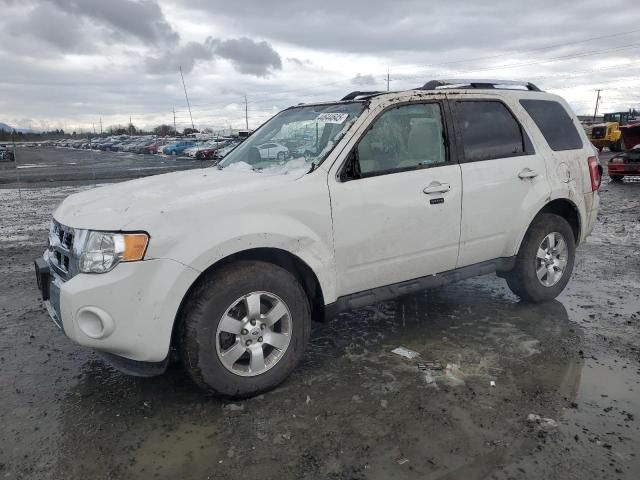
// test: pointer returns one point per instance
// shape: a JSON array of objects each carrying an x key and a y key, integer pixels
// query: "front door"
[{"x": 396, "y": 206}]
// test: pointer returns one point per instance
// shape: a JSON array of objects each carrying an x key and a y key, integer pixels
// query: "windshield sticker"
[{"x": 332, "y": 117}]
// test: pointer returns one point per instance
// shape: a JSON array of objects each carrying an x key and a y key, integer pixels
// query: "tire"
[
  {"x": 616, "y": 178},
  {"x": 281, "y": 156},
  {"x": 201, "y": 341},
  {"x": 523, "y": 279}
]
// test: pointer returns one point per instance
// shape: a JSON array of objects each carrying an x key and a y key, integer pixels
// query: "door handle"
[
  {"x": 437, "y": 187},
  {"x": 527, "y": 173}
]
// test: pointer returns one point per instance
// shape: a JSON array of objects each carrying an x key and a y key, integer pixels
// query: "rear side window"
[
  {"x": 554, "y": 122},
  {"x": 489, "y": 131}
]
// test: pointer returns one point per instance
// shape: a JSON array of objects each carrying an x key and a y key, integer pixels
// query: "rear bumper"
[{"x": 620, "y": 168}]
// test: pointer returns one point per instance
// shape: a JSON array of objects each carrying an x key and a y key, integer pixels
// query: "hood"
[{"x": 136, "y": 203}]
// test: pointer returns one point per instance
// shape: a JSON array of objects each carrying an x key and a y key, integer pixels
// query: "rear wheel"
[
  {"x": 281, "y": 156},
  {"x": 244, "y": 329},
  {"x": 616, "y": 178},
  {"x": 545, "y": 260}
]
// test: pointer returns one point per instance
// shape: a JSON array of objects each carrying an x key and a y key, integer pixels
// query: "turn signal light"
[{"x": 135, "y": 244}]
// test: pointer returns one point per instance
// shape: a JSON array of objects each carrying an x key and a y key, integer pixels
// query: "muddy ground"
[{"x": 353, "y": 409}]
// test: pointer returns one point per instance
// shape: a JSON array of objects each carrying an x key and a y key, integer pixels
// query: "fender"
[
  {"x": 250, "y": 231},
  {"x": 556, "y": 196}
]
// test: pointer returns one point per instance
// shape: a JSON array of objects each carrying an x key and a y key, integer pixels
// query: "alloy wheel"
[
  {"x": 551, "y": 259},
  {"x": 253, "y": 334}
]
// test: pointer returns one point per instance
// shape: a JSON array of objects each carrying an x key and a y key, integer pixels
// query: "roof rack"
[
  {"x": 479, "y": 84},
  {"x": 356, "y": 94}
]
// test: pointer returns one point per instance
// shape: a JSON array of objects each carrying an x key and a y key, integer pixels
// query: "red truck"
[{"x": 626, "y": 163}]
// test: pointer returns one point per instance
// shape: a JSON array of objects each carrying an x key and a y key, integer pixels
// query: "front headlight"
[{"x": 100, "y": 252}]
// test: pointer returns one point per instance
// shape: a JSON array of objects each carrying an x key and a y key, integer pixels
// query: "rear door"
[{"x": 503, "y": 177}]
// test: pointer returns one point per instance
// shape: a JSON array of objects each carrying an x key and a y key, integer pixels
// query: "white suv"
[{"x": 402, "y": 191}]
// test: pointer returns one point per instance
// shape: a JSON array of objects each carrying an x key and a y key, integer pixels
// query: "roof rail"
[
  {"x": 480, "y": 84},
  {"x": 356, "y": 94}
]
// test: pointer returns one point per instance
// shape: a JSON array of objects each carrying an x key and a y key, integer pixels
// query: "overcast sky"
[{"x": 68, "y": 63}]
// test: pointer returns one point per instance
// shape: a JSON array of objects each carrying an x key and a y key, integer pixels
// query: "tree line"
[{"x": 58, "y": 133}]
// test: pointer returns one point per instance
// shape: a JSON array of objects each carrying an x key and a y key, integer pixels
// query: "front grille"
[
  {"x": 60, "y": 253},
  {"x": 598, "y": 132}
]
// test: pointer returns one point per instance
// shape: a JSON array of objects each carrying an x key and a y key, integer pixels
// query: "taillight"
[{"x": 595, "y": 172}]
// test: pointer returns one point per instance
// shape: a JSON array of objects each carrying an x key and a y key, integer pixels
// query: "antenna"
[{"x": 187, "y": 97}]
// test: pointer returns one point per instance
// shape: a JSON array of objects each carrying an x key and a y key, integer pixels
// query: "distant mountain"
[{"x": 7, "y": 128}]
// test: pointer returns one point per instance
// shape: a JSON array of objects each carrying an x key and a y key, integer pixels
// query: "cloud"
[
  {"x": 249, "y": 56},
  {"x": 142, "y": 19},
  {"x": 434, "y": 29},
  {"x": 246, "y": 55},
  {"x": 46, "y": 27},
  {"x": 363, "y": 80},
  {"x": 185, "y": 56},
  {"x": 79, "y": 60}
]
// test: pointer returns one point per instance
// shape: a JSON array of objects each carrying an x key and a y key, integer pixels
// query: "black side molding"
[{"x": 395, "y": 290}]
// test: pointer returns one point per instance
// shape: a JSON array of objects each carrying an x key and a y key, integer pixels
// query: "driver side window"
[{"x": 403, "y": 138}]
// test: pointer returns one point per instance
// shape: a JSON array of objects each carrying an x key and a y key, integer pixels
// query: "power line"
[
  {"x": 538, "y": 49},
  {"x": 548, "y": 60}
]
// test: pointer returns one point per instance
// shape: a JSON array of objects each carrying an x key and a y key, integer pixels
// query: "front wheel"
[
  {"x": 616, "y": 178},
  {"x": 545, "y": 260},
  {"x": 244, "y": 329}
]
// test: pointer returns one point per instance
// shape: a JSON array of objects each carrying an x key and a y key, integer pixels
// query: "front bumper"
[
  {"x": 49, "y": 286},
  {"x": 128, "y": 312}
]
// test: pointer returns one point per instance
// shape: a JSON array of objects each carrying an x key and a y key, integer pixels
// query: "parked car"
[
  {"x": 177, "y": 148},
  {"x": 208, "y": 150},
  {"x": 6, "y": 155},
  {"x": 272, "y": 150},
  {"x": 227, "y": 266},
  {"x": 626, "y": 164}
]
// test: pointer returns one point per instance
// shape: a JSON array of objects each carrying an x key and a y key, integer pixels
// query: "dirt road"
[{"x": 565, "y": 405}]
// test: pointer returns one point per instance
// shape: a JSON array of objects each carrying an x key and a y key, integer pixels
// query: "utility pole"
[
  {"x": 187, "y": 97},
  {"x": 101, "y": 126},
  {"x": 595, "y": 112},
  {"x": 174, "y": 121},
  {"x": 246, "y": 113},
  {"x": 130, "y": 126},
  {"x": 388, "y": 79}
]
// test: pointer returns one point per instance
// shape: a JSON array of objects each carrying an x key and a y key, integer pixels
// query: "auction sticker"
[{"x": 332, "y": 117}]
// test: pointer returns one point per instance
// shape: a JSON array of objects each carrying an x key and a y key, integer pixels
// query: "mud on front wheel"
[
  {"x": 545, "y": 261},
  {"x": 244, "y": 329}
]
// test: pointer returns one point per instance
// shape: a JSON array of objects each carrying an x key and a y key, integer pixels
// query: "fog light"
[{"x": 94, "y": 322}]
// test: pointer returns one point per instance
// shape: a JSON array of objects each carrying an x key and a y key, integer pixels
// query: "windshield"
[{"x": 296, "y": 138}]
